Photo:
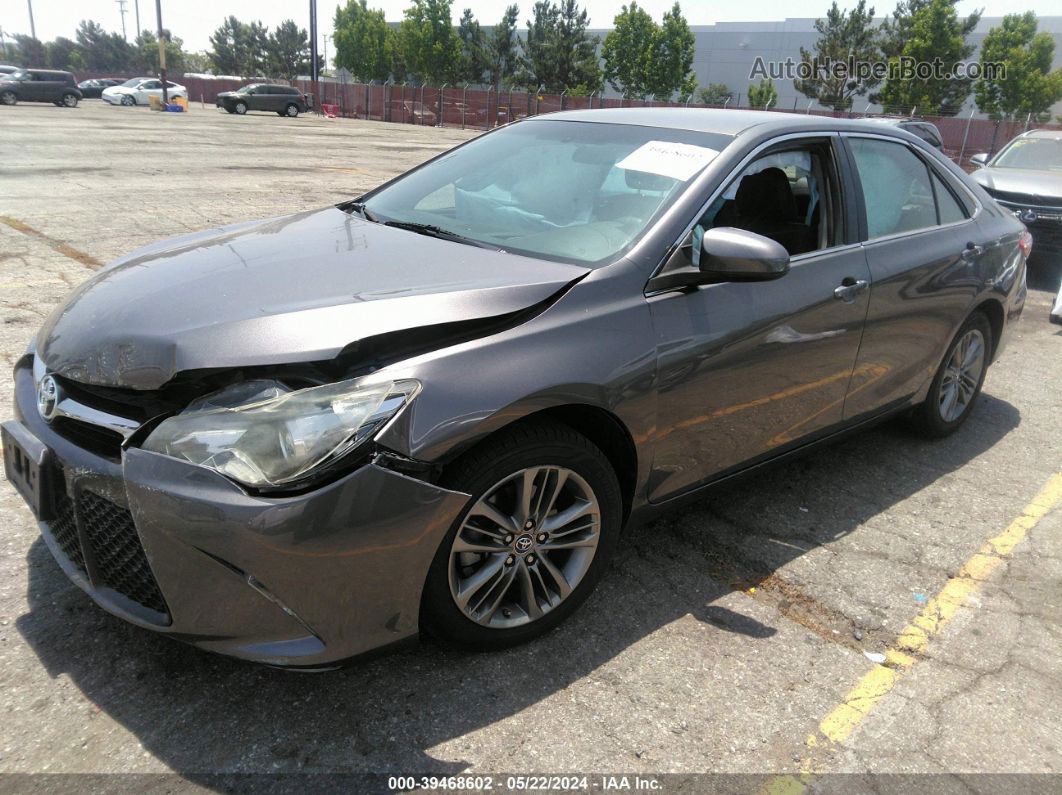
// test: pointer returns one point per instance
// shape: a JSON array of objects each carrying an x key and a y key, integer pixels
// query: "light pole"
[
  {"x": 325, "y": 37},
  {"x": 33, "y": 28},
  {"x": 314, "y": 70},
  {"x": 162, "y": 53},
  {"x": 121, "y": 10},
  {"x": 136, "y": 9}
]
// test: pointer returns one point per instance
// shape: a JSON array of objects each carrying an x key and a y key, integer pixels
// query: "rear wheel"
[
  {"x": 532, "y": 542},
  {"x": 958, "y": 382},
  {"x": 69, "y": 100},
  {"x": 292, "y": 110},
  {"x": 240, "y": 108},
  {"x": 8, "y": 98}
]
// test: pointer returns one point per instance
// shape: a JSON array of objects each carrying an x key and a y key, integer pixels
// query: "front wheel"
[
  {"x": 128, "y": 99},
  {"x": 958, "y": 382},
  {"x": 531, "y": 544},
  {"x": 240, "y": 108},
  {"x": 8, "y": 98}
]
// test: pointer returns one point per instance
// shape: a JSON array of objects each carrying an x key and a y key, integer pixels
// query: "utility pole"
[
  {"x": 315, "y": 72},
  {"x": 326, "y": 37},
  {"x": 121, "y": 10},
  {"x": 136, "y": 8},
  {"x": 162, "y": 54},
  {"x": 33, "y": 28}
]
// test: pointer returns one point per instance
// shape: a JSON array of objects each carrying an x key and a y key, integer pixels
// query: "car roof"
[
  {"x": 1055, "y": 134},
  {"x": 715, "y": 120}
]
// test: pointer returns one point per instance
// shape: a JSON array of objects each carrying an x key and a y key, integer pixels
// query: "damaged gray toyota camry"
[{"x": 435, "y": 406}]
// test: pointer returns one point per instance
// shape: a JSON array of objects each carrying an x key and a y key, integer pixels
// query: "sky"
[{"x": 195, "y": 20}]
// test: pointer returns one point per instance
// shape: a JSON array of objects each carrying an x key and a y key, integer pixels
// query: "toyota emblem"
[
  {"x": 524, "y": 543},
  {"x": 47, "y": 397}
]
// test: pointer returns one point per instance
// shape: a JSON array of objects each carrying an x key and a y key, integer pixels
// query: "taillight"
[{"x": 1025, "y": 243}]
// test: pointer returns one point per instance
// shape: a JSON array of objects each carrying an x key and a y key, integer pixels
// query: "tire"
[
  {"x": 291, "y": 110},
  {"x": 8, "y": 98},
  {"x": 240, "y": 108},
  {"x": 957, "y": 385},
  {"x": 69, "y": 101},
  {"x": 229, "y": 110},
  {"x": 128, "y": 100},
  {"x": 522, "y": 557}
]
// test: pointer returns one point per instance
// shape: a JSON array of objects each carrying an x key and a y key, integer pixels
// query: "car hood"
[
  {"x": 1021, "y": 180},
  {"x": 296, "y": 288}
]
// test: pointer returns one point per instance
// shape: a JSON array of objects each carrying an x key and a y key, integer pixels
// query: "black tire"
[
  {"x": 527, "y": 444},
  {"x": 281, "y": 113},
  {"x": 229, "y": 110},
  {"x": 8, "y": 98},
  {"x": 68, "y": 101},
  {"x": 927, "y": 417},
  {"x": 240, "y": 108},
  {"x": 291, "y": 110}
]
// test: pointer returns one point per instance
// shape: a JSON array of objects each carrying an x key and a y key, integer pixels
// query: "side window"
[
  {"x": 948, "y": 207},
  {"x": 897, "y": 194},
  {"x": 790, "y": 196},
  {"x": 150, "y": 84}
]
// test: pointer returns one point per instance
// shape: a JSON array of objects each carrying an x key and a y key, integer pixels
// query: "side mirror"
[
  {"x": 979, "y": 159},
  {"x": 728, "y": 255}
]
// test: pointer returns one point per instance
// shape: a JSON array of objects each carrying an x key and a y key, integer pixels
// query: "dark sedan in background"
[
  {"x": 280, "y": 99},
  {"x": 1026, "y": 178},
  {"x": 93, "y": 89},
  {"x": 435, "y": 406}
]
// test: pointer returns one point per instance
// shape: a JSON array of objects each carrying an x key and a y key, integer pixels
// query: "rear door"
[
  {"x": 926, "y": 255},
  {"x": 749, "y": 369}
]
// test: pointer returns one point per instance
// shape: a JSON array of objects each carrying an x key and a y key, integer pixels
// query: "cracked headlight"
[{"x": 261, "y": 433}]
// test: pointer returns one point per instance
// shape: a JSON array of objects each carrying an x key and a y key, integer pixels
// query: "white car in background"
[{"x": 137, "y": 91}]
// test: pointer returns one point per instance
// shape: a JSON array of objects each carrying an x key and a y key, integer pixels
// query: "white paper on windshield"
[{"x": 668, "y": 159}]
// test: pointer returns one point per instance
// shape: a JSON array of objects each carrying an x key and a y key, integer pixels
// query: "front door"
[{"x": 748, "y": 369}]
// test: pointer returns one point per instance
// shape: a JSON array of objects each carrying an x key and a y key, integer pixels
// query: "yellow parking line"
[{"x": 912, "y": 641}]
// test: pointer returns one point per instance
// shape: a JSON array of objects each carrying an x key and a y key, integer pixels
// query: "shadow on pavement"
[{"x": 202, "y": 714}]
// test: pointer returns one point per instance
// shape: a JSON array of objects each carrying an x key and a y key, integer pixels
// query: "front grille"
[
  {"x": 120, "y": 560},
  {"x": 94, "y": 438},
  {"x": 64, "y": 529}
]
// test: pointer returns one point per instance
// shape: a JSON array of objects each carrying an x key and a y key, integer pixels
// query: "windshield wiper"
[
  {"x": 437, "y": 231},
  {"x": 358, "y": 207}
]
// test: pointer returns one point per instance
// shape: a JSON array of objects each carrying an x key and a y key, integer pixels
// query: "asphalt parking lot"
[{"x": 727, "y": 638}]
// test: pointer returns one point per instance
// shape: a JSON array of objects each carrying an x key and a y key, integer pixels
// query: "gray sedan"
[{"x": 435, "y": 406}]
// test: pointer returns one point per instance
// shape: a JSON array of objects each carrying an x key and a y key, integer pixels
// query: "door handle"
[
  {"x": 850, "y": 288},
  {"x": 972, "y": 251}
]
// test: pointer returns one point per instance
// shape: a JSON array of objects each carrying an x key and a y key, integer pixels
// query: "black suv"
[
  {"x": 283, "y": 100},
  {"x": 39, "y": 85}
]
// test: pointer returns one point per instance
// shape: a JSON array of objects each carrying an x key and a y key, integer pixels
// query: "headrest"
[{"x": 767, "y": 196}]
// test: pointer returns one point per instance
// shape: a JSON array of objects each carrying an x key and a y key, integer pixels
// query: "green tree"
[
  {"x": 504, "y": 43},
  {"x": 672, "y": 64},
  {"x": 31, "y": 51},
  {"x": 924, "y": 30},
  {"x": 427, "y": 42},
  {"x": 257, "y": 54},
  {"x": 196, "y": 62},
  {"x": 843, "y": 35},
  {"x": 149, "y": 52},
  {"x": 763, "y": 95},
  {"x": 559, "y": 53},
  {"x": 628, "y": 51},
  {"x": 1029, "y": 85},
  {"x": 475, "y": 51},
  {"x": 365, "y": 43},
  {"x": 63, "y": 53},
  {"x": 228, "y": 47},
  {"x": 289, "y": 50},
  {"x": 715, "y": 94},
  {"x": 104, "y": 52}
]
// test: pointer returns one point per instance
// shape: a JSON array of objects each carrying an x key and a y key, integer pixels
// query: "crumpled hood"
[
  {"x": 1021, "y": 180},
  {"x": 297, "y": 288}
]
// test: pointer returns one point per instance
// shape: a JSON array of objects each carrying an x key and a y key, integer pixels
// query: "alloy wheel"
[
  {"x": 962, "y": 375},
  {"x": 524, "y": 547},
  {"x": 128, "y": 99},
  {"x": 293, "y": 110},
  {"x": 8, "y": 98},
  {"x": 241, "y": 108},
  {"x": 70, "y": 100}
]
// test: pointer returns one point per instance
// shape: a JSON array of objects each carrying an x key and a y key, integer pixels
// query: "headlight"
[{"x": 261, "y": 433}]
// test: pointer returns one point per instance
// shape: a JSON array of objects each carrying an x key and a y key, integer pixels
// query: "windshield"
[
  {"x": 571, "y": 191},
  {"x": 1040, "y": 154},
  {"x": 133, "y": 83}
]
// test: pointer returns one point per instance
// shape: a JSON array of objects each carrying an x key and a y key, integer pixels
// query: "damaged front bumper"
[{"x": 300, "y": 581}]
